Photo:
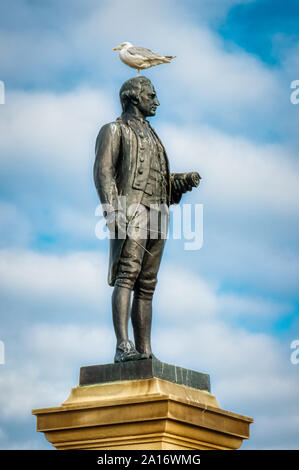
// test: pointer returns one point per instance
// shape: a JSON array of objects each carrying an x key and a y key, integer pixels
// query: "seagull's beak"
[{"x": 117, "y": 48}]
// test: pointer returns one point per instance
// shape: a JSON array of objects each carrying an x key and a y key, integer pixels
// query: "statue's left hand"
[{"x": 183, "y": 182}]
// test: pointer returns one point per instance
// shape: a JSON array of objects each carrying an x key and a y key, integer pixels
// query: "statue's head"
[{"x": 139, "y": 92}]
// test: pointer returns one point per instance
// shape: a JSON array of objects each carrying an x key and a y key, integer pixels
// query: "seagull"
[{"x": 139, "y": 57}]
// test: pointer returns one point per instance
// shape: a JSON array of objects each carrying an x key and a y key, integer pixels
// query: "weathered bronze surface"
[{"x": 133, "y": 181}]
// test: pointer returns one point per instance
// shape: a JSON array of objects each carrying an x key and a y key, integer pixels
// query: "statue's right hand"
[{"x": 116, "y": 221}]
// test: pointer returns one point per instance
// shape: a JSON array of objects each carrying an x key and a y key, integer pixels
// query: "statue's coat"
[{"x": 122, "y": 165}]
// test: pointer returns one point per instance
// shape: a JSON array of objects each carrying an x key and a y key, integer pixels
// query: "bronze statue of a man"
[{"x": 131, "y": 166}]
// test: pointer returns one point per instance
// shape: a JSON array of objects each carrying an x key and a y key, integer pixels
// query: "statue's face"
[{"x": 148, "y": 101}]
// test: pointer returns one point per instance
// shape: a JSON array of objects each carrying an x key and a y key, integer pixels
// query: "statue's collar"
[{"x": 127, "y": 118}]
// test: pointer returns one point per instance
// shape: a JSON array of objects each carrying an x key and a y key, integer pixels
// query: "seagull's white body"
[{"x": 139, "y": 57}]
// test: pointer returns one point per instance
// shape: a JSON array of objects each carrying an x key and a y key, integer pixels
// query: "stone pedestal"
[{"x": 142, "y": 405}]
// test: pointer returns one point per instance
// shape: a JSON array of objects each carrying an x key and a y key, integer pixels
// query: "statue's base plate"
[{"x": 143, "y": 369}]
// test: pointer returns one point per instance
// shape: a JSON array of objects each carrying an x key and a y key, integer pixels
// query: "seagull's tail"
[{"x": 167, "y": 59}]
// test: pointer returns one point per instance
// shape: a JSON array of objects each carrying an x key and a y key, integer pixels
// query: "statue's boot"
[
  {"x": 126, "y": 351},
  {"x": 141, "y": 315}
]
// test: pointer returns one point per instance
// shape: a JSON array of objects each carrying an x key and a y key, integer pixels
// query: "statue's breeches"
[{"x": 140, "y": 257}]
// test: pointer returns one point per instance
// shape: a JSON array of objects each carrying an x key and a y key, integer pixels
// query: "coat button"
[
  {"x": 140, "y": 171},
  {"x": 141, "y": 159},
  {"x": 141, "y": 134}
]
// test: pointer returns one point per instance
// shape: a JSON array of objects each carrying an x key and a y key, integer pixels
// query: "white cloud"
[
  {"x": 72, "y": 344},
  {"x": 77, "y": 276},
  {"x": 257, "y": 308},
  {"x": 284, "y": 432},
  {"x": 215, "y": 10},
  {"x": 260, "y": 260},
  {"x": 76, "y": 223},
  {"x": 236, "y": 171},
  {"x": 23, "y": 389},
  {"x": 54, "y": 354},
  {"x": 49, "y": 138},
  {"x": 250, "y": 375},
  {"x": 184, "y": 296}
]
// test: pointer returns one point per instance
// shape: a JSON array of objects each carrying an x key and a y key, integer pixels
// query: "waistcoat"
[{"x": 156, "y": 190}]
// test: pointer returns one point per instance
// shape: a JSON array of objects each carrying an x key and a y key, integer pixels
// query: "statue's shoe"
[
  {"x": 148, "y": 356},
  {"x": 126, "y": 351}
]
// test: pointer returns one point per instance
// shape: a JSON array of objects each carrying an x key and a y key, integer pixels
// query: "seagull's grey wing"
[{"x": 142, "y": 51}]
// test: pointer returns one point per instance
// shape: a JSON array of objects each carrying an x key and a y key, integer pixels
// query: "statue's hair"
[{"x": 131, "y": 89}]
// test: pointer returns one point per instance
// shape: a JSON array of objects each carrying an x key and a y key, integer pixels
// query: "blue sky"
[{"x": 229, "y": 309}]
